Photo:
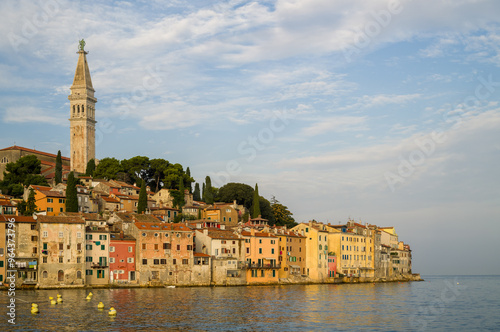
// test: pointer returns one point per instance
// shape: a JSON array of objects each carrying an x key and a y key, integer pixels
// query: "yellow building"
[
  {"x": 292, "y": 253},
  {"x": 316, "y": 249},
  {"x": 261, "y": 253}
]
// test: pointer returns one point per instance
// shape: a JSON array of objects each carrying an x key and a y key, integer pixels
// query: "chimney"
[
  {"x": 121, "y": 235},
  {"x": 205, "y": 231}
]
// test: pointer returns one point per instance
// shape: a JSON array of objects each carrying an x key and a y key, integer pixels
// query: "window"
[
  {"x": 167, "y": 246},
  {"x": 61, "y": 209},
  {"x": 189, "y": 247},
  {"x": 78, "y": 274},
  {"x": 45, "y": 274},
  {"x": 260, "y": 250},
  {"x": 88, "y": 247},
  {"x": 156, "y": 246},
  {"x": 45, "y": 234},
  {"x": 111, "y": 259},
  {"x": 79, "y": 246},
  {"x": 61, "y": 200},
  {"x": 44, "y": 259},
  {"x": 248, "y": 250},
  {"x": 103, "y": 237},
  {"x": 50, "y": 209},
  {"x": 35, "y": 250},
  {"x": 174, "y": 261},
  {"x": 34, "y": 238},
  {"x": 88, "y": 236},
  {"x": 262, "y": 273},
  {"x": 61, "y": 234},
  {"x": 260, "y": 240},
  {"x": 130, "y": 259},
  {"x": 61, "y": 246},
  {"x": 78, "y": 260},
  {"x": 129, "y": 249},
  {"x": 163, "y": 261},
  {"x": 60, "y": 275},
  {"x": 33, "y": 227},
  {"x": 88, "y": 272},
  {"x": 144, "y": 246},
  {"x": 156, "y": 261},
  {"x": 185, "y": 261},
  {"x": 272, "y": 251},
  {"x": 100, "y": 274},
  {"x": 178, "y": 247},
  {"x": 144, "y": 261},
  {"x": 111, "y": 249},
  {"x": 103, "y": 247},
  {"x": 50, "y": 200},
  {"x": 79, "y": 235}
]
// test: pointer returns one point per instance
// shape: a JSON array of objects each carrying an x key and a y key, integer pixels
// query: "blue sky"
[{"x": 385, "y": 112}]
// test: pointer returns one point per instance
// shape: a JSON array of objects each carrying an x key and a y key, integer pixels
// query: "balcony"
[
  {"x": 98, "y": 266},
  {"x": 263, "y": 266}
]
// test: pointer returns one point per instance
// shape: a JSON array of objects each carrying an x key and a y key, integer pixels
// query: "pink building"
[
  {"x": 332, "y": 266},
  {"x": 122, "y": 257}
]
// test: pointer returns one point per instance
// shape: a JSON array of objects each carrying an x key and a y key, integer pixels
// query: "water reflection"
[{"x": 265, "y": 308}]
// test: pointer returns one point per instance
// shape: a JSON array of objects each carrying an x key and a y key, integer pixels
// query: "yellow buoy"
[
  {"x": 58, "y": 295},
  {"x": 34, "y": 308},
  {"x": 112, "y": 311},
  {"x": 88, "y": 297},
  {"x": 100, "y": 305},
  {"x": 59, "y": 300},
  {"x": 53, "y": 301},
  {"x": 91, "y": 294}
]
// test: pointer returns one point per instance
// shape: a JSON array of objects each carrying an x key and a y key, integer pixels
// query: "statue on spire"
[{"x": 82, "y": 45}]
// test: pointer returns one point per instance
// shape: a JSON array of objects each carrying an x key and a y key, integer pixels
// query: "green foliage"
[
  {"x": 136, "y": 168},
  {"x": 21, "y": 174},
  {"x": 242, "y": 193},
  {"x": 182, "y": 217},
  {"x": 188, "y": 181},
  {"x": 255, "y": 203},
  {"x": 30, "y": 204},
  {"x": 58, "y": 171},
  {"x": 71, "y": 194},
  {"x": 90, "y": 168},
  {"x": 282, "y": 216},
  {"x": 203, "y": 192},
  {"x": 178, "y": 201},
  {"x": 108, "y": 168},
  {"x": 143, "y": 199},
  {"x": 266, "y": 211},
  {"x": 208, "y": 192},
  {"x": 157, "y": 172},
  {"x": 196, "y": 193}
]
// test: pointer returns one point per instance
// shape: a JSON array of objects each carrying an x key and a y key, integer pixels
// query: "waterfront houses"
[
  {"x": 26, "y": 250},
  {"x": 292, "y": 253},
  {"x": 316, "y": 249},
  {"x": 261, "y": 253},
  {"x": 227, "y": 252},
  {"x": 62, "y": 251},
  {"x": 97, "y": 255},
  {"x": 122, "y": 258}
]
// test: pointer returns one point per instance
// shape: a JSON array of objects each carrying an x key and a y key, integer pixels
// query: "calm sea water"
[{"x": 439, "y": 303}]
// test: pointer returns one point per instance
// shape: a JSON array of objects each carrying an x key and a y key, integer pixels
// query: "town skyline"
[{"x": 398, "y": 130}]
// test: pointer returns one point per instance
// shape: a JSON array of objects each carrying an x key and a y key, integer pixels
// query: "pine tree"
[
  {"x": 90, "y": 168},
  {"x": 196, "y": 194},
  {"x": 71, "y": 194},
  {"x": 58, "y": 171},
  {"x": 143, "y": 199},
  {"x": 256, "y": 204}
]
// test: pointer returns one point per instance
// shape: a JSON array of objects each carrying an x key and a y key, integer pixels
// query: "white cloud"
[
  {"x": 335, "y": 124},
  {"x": 26, "y": 114}
]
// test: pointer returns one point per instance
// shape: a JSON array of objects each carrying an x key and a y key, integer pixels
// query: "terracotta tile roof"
[
  {"x": 86, "y": 216},
  {"x": 200, "y": 254},
  {"x": 15, "y": 147},
  {"x": 257, "y": 234},
  {"x": 60, "y": 220},
  {"x": 216, "y": 233},
  {"x": 18, "y": 218},
  {"x": 110, "y": 199},
  {"x": 162, "y": 227},
  {"x": 51, "y": 193},
  {"x": 116, "y": 237},
  {"x": 41, "y": 187}
]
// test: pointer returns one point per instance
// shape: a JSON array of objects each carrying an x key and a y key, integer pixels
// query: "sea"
[{"x": 440, "y": 303}]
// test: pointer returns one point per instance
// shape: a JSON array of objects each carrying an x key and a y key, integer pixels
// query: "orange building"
[
  {"x": 261, "y": 253},
  {"x": 49, "y": 200}
]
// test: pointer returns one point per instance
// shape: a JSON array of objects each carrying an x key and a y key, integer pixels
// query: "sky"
[{"x": 384, "y": 112}]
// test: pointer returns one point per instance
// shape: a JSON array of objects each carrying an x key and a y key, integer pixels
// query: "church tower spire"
[{"x": 82, "y": 114}]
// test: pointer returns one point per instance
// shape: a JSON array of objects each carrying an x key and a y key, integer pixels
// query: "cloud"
[
  {"x": 335, "y": 124},
  {"x": 27, "y": 114}
]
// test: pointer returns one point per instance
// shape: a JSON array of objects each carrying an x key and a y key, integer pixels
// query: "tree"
[
  {"x": 108, "y": 168},
  {"x": 20, "y": 174},
  {"x": 137, "y": 169},
  {"x": 71, "y": 194},
  {"x": 242, "y": 193},
  {"x": 196, "y": 193},
  {"x": 143, "y": 199},
  {"x": 203, "y": 193},
  {"x": 189, "y": 181},
  {"x": 209, "y": 196},
  {"x": 90, "y": 168},
  {"x": 30, "y": 204},
  {"x": 58, "y": 171},
  {"x": 182, "y": 200},
  {"x": 255, "y": 203},
  {"x": 266, "y": 211},
  {"x": 157, "y": 172},
  {"x": 282, "y": 216}
]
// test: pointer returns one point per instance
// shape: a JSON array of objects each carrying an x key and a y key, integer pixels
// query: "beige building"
[
  {"x": 316, "y": 249},
  {"x": 26, "y": 253},
  {"x": 82, "y": 115},
  {"x": 97, "y": 255},
  {"x": 62, "y": 251}
]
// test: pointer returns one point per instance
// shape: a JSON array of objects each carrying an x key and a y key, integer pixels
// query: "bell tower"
[{"x": 82, "y": 115}]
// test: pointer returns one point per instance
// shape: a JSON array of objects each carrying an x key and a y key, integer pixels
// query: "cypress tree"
[
  {"x": 71, "y": 194},
  {"x": 31, "y": 204},
  {"x": 209, "y": 196},
  {"x": 256, "y": 204},
  {"x": 182, "y": 200},
  {"x": 203, "y": 194},
  {"x": 58, "y": 171},
  {"x": 143, "y": 199},
  {"x": 196, "y": 194},
  {"x": 188, "y": 182},
  {"x": 90, "y": 168}
]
